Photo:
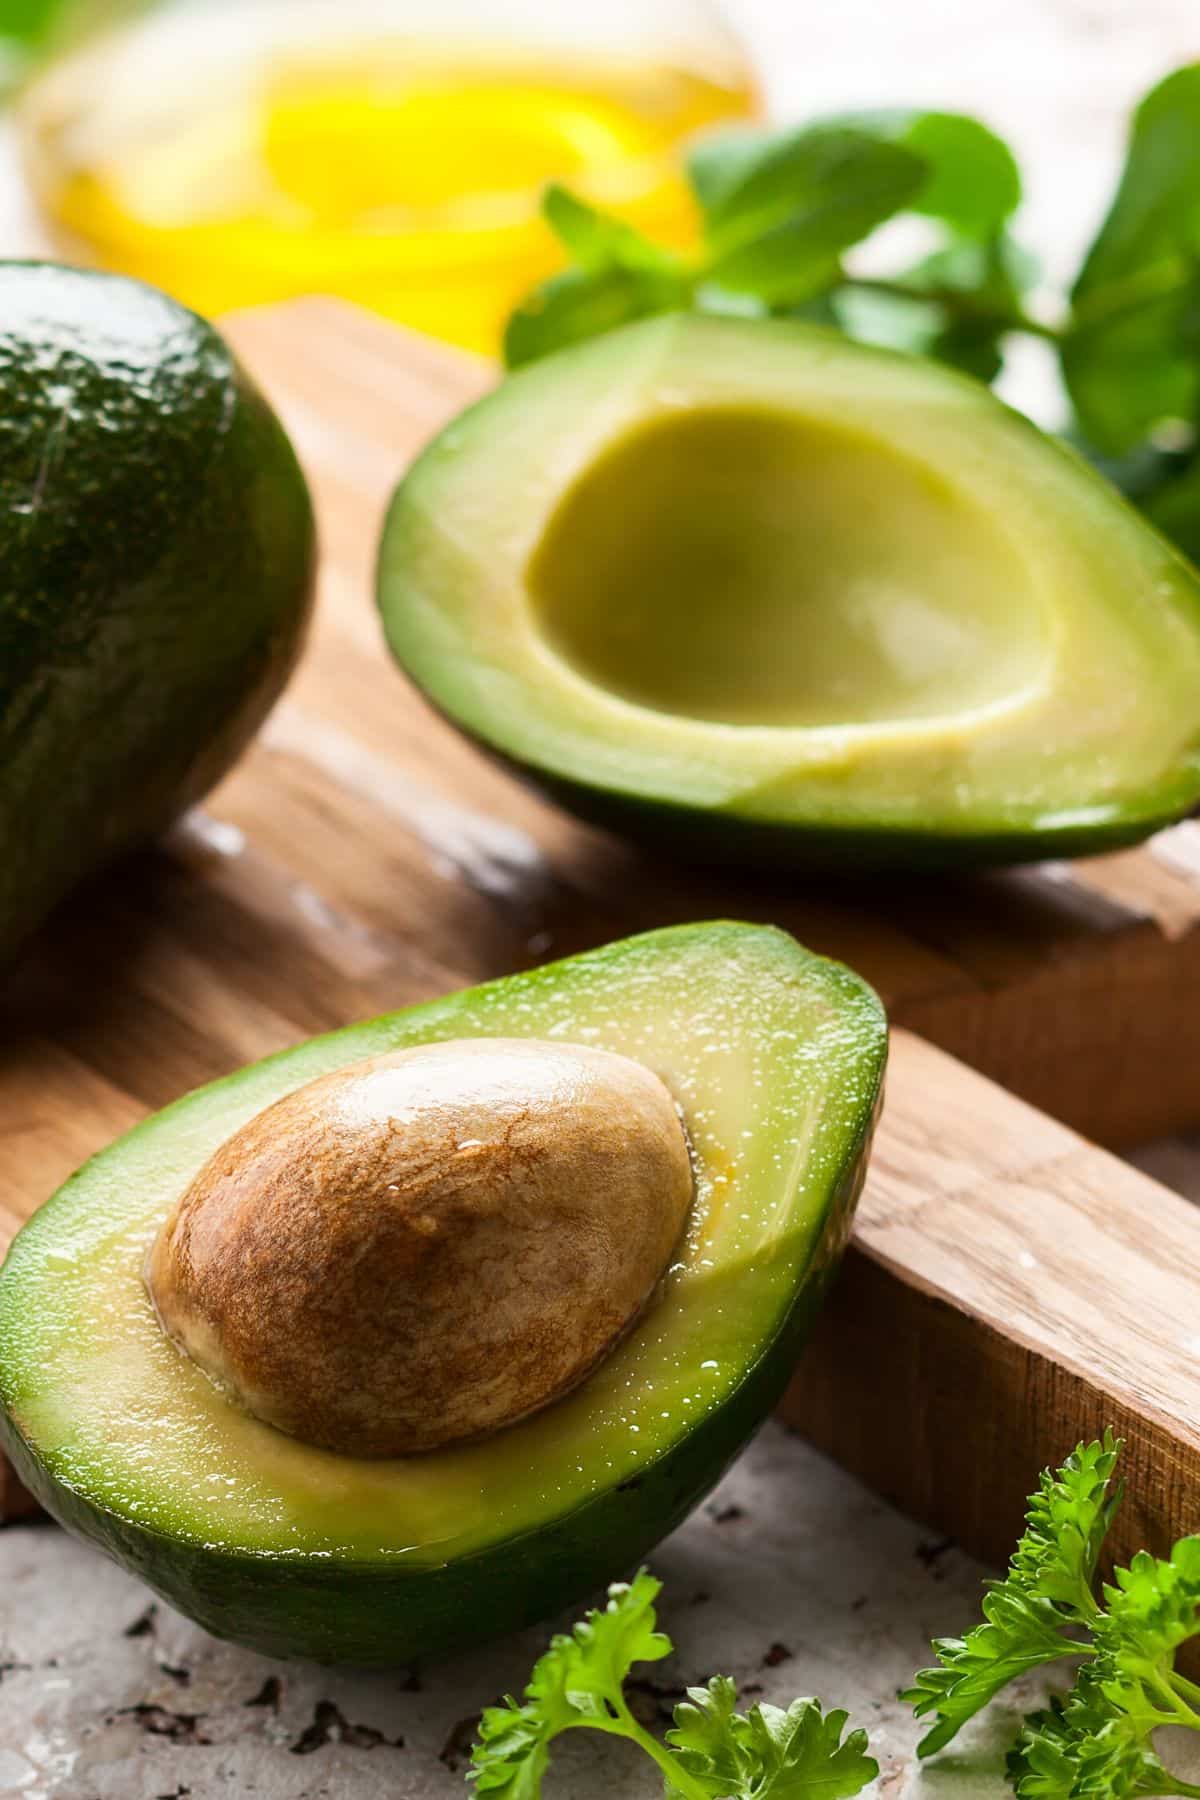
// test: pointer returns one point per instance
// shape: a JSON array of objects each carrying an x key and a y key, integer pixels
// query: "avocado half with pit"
[
  {"x": 767, "y": 593},
  {"x": 744, "y": 1061}
]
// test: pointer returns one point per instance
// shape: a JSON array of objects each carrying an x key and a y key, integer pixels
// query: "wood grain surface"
[{"x": 1010, "y": 1286}]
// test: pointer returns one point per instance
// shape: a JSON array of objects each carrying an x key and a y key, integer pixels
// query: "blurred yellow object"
[{"x": 244, "y": 151}]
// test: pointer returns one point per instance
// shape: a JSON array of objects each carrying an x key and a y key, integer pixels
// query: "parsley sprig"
[
  {"x": 713, "y": 1752},
  {"x": 781, "y": 214},
  {"x": 1098, "y": 1739}
]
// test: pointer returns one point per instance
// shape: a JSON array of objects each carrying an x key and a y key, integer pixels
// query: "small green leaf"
[
  {"x": 597, "y": 240},
  {"x": 581, "y": 304},
  {"x": 956, "y": 305},
  {"x": 706, "y": 1735},
  {"x": 1132, "y": 354},
  {"x": 769, "y": 1754},
  {"x": 778, "y": 219},
  {"x": 1027, "y": 1615},
  {"x": 1172, "y": 501},
  {"x": 974, "y": 183},
  {"x": 576, "y": 1682}
]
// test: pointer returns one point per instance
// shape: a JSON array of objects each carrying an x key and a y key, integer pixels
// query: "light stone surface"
[
  {"x": 104, "y": 1698},
  {"x": 792, "y": 1578}
]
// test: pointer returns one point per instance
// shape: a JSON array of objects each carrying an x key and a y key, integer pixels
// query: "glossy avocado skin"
[
  {"x": 714, "y": 838},
  {"x": 382, "y": 1616},
  {"x": 387, "y": 1563},
  {"x": 156, "y": 569}
]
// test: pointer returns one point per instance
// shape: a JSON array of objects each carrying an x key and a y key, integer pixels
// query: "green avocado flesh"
[
  {"x": 156, "y": 564},
  {"x": 761, "y": 589},
  {"x": 775, "y": 1057}
]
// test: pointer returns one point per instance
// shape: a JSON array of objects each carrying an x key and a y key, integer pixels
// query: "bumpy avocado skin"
[
  {"x": 156, "y": 567},
  {"x": 381, "y": 1616}
]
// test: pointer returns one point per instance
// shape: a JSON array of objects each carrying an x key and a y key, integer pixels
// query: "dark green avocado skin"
[
  {"x": 392, "y": 1616},
  {"x": 710, "y": 837},
  {"x": 157, "y": 552}
]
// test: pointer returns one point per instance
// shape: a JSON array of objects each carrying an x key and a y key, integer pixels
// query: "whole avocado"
[{"x": 157, "y": 552}]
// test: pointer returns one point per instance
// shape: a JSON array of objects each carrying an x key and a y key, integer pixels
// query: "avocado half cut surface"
[
  {"x": 157, "y": 553},
  {"x": 774, "y": 594},
  {"x": 775, "y": 1058}
]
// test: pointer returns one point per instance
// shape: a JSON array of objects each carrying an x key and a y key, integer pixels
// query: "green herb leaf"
[
  {"x": 956, "y": 305},
  {"x": 1081, "y": 1747},
  {"x": 1132, "y": 355},
  {"x": 599, "y": 240},
  {"x": 769, "y": 1754},
  {"x": 576, "y": 1682},
  {"x": 780, "y": 210},
  {"x": 716, "y": 1754},
  {"x": 972, "y": 181},
  {"x": 1048, "y": 1589},
  {"x": 583, "y": 303},
  {"x": 1172, "y": 500},
  {"x": 1152, "y": 1608}
]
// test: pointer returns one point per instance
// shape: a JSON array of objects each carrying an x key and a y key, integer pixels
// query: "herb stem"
[
  {"x": 965, "y": 305},
  {"x": 679, "y": 1781},
  {"x": 1188, "y": 1690}
]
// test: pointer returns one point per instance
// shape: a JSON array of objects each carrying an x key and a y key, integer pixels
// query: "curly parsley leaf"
[
  {"x": 1097, "y": 1742},
  {"x": 577, "y": 1681},
  {"x": 1076, "y": 1748},
  {"x": 716, "y": 1753},
  {"x": 1029, "y": 1615},
  {"x": 769, "y": 1754}
]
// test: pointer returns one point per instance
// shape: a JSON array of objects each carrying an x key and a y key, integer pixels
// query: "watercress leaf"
[
  {"x": 597, "y": 239},
  {"x": 1130, "y": 359},
  {"x": 972, "y": 345},
  {"x": 1157, "y": 204},
  {"x": 1172, "y": 500},
  {"x": 777, "y": 220},
  {"x": 718, "y": 163},
  {"x": 583, "y": 303},
  {"x": 955, "y": 305},
  {"x": 972, "y": 182},
  {"x": 896, "y": 321},
  {"x": 576, "y": 1682},
  {"x": 1132, "y": 355},
  {"x": 996, "y": 271}
]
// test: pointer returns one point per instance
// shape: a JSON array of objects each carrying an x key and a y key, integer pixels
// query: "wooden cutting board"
[{"x": 1010, "y": 1287}]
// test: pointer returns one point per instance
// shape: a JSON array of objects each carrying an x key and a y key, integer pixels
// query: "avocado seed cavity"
[{"x": 428, "y": 1245}]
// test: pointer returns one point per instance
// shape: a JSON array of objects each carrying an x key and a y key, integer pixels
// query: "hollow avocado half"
[
  {"x": 156, "y": 570},
  {"x": 771, "y": 594},
  {"x": 775, "y": 1057}
]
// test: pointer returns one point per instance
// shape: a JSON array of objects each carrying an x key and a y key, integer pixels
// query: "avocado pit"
[{"x": 428, "y": 1245}]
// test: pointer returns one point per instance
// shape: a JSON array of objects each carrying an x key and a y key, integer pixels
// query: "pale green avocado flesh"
[
  {"x": 756, "y": 582},
  {"x": 775, "y": 1058}
]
